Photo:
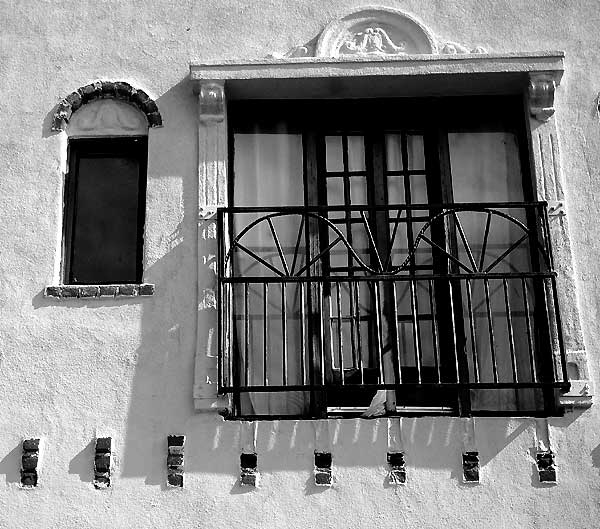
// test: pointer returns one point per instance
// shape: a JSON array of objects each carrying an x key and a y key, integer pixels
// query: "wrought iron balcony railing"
[{"x": 448, "y": 308}]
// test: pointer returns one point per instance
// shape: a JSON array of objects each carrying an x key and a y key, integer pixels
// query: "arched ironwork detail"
[
  {"x": 383, "y": 262},
  {"x": 119, "y": 90}
]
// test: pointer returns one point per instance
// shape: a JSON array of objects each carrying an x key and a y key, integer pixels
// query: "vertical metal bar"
[
  {"x": 339, "y": 331},
  {"x": 322, "y": 332},
  {"x": 434, "y": 327},
  {"x": 491, "y": 329},
  {"x": 352, "y": 324},
  {"x": 453, "y": 326},
  {"x": 360, "y": 359},
  {"x": 529, "y": 333},
  {"x": 415, "y": 322},
  {"x": 378, "y": 332},
  {"x": 265, "y": 333},
  {"x": 397, "y": 368},
  {"x": 472, "y": 330},
  {"x": 228, "y": 331},
  {"x": 283, "y": 334},
  {"x": 302, "y": 332},
  {"x": 511, "y": 341},
  {"x": 246, "y": 334}
]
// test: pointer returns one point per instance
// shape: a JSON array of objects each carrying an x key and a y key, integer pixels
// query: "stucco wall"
[{"x": 72, "y": 370}]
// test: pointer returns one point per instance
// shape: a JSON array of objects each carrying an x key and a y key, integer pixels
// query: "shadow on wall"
[
  {"x": 160, "y": 399},
  {"x": 10, "y": 465}
]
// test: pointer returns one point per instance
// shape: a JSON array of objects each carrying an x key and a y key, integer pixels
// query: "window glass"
[{"x": 105, "y": 210}]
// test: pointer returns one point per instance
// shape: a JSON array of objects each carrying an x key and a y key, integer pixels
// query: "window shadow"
[
  {"x": 10, "y": 465},
  {"x": 83, "y": 463}
]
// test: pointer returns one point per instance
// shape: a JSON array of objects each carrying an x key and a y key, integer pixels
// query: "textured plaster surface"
[{"x": 71, "y": 371}]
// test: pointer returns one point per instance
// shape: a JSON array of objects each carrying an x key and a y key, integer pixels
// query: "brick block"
[
  {"x": 29, "y": 461},
  {"x": 31, "y": 445},
  {"x": 249, "y": 461},
  {"x": 146, "y": 289},
  {"x": 106, "y": 291},
  {"x": 128, "y": 290},
  {"x": 103, "y": 444},
  {"x": 323, "y": 478},
  {"x": 102, "y": 462},
  {"x": 69, "y": 292},
  {"x": 249, "y": 479},
  {"x": 154, "y": 119},
  {"x": 175, "y": 461},
  {"x": 29, "y": 479},
  {"x": 175, "y": 479},
  {"x": 52, "y": 292},
  {"x": 89, "y": 292},
  {"x": 323, "y": 459}
]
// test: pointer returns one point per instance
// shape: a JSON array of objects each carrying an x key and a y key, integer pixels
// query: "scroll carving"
[
  {"x": 372, "y": 41},
  {"x": 541, "y": 97}
]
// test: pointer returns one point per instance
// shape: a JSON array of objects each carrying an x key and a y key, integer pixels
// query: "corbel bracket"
[
  {"x": 211, "y": 97},
  {"x": 541, "y": 96}
]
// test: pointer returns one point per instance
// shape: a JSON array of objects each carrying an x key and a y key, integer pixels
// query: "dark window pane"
[{"x": 106, "y": 224}]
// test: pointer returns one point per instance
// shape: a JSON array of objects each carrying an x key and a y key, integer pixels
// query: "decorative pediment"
[{"x": 377, "y": 31}]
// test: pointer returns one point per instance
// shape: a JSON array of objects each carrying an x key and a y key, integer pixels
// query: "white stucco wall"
[{"x": 72, "y": 370}]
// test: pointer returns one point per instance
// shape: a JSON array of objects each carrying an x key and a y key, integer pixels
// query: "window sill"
[{"x": 99, "y": 291}]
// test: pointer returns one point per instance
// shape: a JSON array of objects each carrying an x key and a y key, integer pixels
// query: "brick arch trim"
[{"x": 103, "y": 90}]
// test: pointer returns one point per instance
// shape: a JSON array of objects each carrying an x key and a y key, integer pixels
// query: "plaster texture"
[{"x": 75, "y": 370}]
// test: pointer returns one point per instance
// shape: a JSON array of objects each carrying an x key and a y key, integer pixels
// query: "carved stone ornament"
[
  {"x": 107, "y": 117},
  {"x": 541, "y": 97},
  {"x": 212, "y": 102},
  {"x": 376, "y": 31}
]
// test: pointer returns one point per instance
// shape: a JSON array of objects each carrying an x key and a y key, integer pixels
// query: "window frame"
[
  {"x": 533, "y": 75},
  {"x": 437, "y": 129},
  {"x": 113, "y": 146}
]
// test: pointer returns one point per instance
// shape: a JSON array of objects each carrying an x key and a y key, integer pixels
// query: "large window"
[{"x": 385, "y": 256}]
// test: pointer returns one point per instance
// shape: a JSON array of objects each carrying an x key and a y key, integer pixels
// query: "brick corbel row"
[
  {"x": 102, "y": 90},
  {"x": 99, "y": 291}
]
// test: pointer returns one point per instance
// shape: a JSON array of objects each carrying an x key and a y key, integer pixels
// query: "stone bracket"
[
  {"x": 102, "y": 462},
  {"x": 470, "y": 466},
  {"x": 175, "y": 453},
  {"x": 249, "y": 474},
  {"x": 544, "y": 455},
  {"x": 29, "y": 463},
  {"x": 546, "y": 466},
  {"x": 397, "y": 468},
  {"x": 323, "y": 469},
  {"x": 541, "y": 96}
]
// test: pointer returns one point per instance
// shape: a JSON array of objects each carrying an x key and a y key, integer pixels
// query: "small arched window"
[{"x": 105, "y": 194}]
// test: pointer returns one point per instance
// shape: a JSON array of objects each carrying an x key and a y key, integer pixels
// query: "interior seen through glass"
[{"x": 269, "y": 170}]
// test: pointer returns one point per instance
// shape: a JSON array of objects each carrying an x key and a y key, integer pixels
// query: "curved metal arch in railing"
[{"x": 383, "y": 267}]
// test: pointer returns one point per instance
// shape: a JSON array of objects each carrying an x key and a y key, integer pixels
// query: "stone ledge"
[{"x": 99, "y": 291}]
